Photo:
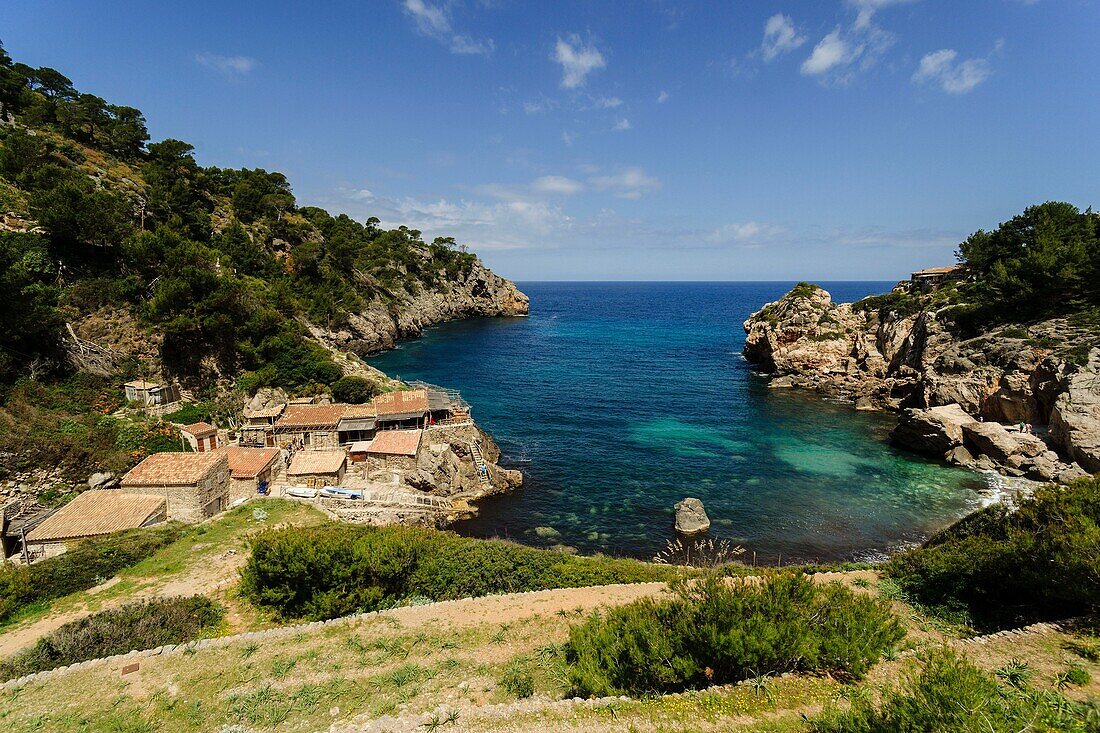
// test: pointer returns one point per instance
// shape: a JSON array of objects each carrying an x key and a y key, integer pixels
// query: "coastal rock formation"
[
  {"x": 480, "y": 292},
  {"x": 1075, "y": 417},
  {"x": 691, "y": 517},
  {"x": 896, "y": 352}
]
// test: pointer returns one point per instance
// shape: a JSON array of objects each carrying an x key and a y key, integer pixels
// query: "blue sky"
[{"x": 827, "y": 139}]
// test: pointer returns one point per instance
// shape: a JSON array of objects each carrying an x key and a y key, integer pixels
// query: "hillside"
[
  {"x": 194, "y": 271},
  {"x": 1012, "y": 337},
  {"x": 126, "y": 259}
]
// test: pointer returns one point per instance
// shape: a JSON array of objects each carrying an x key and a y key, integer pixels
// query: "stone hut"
[
  {"x": 91, "y": 514},
  {"x": 357, "y": 424},
  {"x": 390, "y": 449},
  {"x": 403, "y": 409},
  {"x": 251, "y": 470},
  {"x": 201, "y": 436},
  {"x": 258, "y": 428},
  {"x": 317, "y": 468},
  {"x": 195, "y": 485},
  {"x": 150, "y": 393},
  {"x": 309, "y": 426}
]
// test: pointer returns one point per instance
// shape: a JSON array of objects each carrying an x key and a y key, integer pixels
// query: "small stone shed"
[
  {"x": 258, "y": 429},
  {"x": 317, "y": 468},
  {"x": 201, "y": 436},
  {"x": 389, "y": 449},
  {"x": 402, "y": 409},
  {"x": 195, "y": 485},
  {"x": 251, "y": 469},
  {"x": 150, "y": 393},
  {"x": 91, "y": 514}
]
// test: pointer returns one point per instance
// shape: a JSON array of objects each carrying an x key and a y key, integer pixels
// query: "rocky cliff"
[
  {"x": 480, "y": 292},
  {"x": 955, "y": 394}
]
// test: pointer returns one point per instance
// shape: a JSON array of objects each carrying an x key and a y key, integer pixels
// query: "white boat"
[{"x": 300, "y": 492}]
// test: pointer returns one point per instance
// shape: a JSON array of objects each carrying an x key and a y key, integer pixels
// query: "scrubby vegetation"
[
  {"x": 715, "y": 632},
  {"x": 221, "y": 262},
  {"x": 1006, "y": 568},
  {"x": 144, "y": 625},
  {"x": 951, "y": 694},
  {"x": 87, "y": 563},
  {"x": 335, "y": 569},
  {"x": 67, "y": 424}
]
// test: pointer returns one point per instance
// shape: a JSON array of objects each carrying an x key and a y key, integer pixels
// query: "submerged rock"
[{"x": 691, "y": 517}]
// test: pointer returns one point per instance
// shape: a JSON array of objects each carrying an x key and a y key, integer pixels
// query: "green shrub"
[
  {"x": 518, "y": 678},
  {"x": 353, "y": 390},
  {"x": 87, "y": 563},
  {"x": 336, "y": 569},
  {"x": 950, "y": 694},
  {"x": 134, "y": 626},
  {"x": 714, "y": 632},
  {"x": 1007, "y": 568}
]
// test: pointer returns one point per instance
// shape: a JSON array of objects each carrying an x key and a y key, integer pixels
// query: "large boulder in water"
[
  {"x": 934, "y": 431},
  {"x": 993, "y": 440},
  {"x": 691, "y": 517}
]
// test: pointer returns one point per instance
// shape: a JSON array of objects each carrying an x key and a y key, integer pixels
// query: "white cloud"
[
  {"x": 662, "y": 97},
  {"x": 940, "y": 68},
  {"x": 231, "y": 65},
  {"x": 831, "y": 52},
  {"x": 577, "y": 61},
  {"x": 866, "y": 9},
  {"x": 557, "y": 185},
  {"x": 780, "y": 36},
  {"x": 622, "y": 124},
  {"x": 608, "y": 102},
  {"x": 566, "y": 137},
  {"x": 629, "y": 183},
  {"x": 434, "y": 21}
]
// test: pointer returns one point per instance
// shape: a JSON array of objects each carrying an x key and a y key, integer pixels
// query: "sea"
[{"x": 619, "y": 399}]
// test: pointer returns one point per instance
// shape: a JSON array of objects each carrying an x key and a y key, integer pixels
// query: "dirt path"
[{"x": 210, "y": 577}]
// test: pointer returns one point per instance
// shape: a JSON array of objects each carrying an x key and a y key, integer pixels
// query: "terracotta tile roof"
[
  {"x": 311, "y": 416},
  {"x": 247, "y": 462},
  {"x": 141, "y": 384},
  {"x": 317, "y": 461},
  {"x": 400, "y": 403},
  {"x": 174, "y": 469},
  {"x": 395, "y": 443},
  {"x": 367, "y": 410},
  {"x": 267, "y": 412},
  {"x": 199, "y": 429},
  {"x": 98, "y": 512},
  {"x": 937, "y": 270}
]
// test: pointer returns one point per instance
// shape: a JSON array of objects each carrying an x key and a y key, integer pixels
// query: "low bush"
[
  {"x": 1007, "y": 568},
  {"x": 950, "y": 694},
  {"x": 117, "y": 631},
  {"x": 336, "y": 569},
  {"x": 715, "y": 632},
  {"x": 87, "y": 563}
]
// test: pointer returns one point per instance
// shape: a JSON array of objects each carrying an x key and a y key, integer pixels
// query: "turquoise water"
[{"x": 619, "y": 399}]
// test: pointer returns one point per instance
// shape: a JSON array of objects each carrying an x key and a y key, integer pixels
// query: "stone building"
[
  {"x": 195, "y": 485},
  {"x": 309, "y": 426},
  {"x": 317, "y": 468},
  {"x": 390, "y": 449},
  {"x": 150, "y": 393},
  {"x": 251, "y": 470},
  {"x": 258, "y": 428},
  {"x": 91, "y": 514},
  {"x": 201, "y": 436},
  {"x": 403, "y": 409}
]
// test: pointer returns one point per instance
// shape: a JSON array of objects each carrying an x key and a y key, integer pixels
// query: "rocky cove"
[{"x": 1023, "y": 400}]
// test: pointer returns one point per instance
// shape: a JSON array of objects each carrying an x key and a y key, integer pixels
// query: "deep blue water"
[{"x": 619, "y": 399}]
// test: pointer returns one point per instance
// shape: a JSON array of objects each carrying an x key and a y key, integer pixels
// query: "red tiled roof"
[
  {"x": 395, "y": 443},
  {"x": 317, "y": 461},
  {"x": 248, "y": 462},
  {"x": 399, "y": 403},
  {"x": 174, "y": 469},
  {"x": 311, "y": 416},
  {"x": 199, "y": 429},
  {"x": 937, "y": 270},
  {"x": 98, "y": 512},
  {"x": 354, "y": 411}
]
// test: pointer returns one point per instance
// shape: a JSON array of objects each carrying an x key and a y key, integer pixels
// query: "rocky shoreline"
[{"x": 1005, "y": 400}]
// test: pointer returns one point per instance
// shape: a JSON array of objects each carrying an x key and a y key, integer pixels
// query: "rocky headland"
[{"x": 1021, "y": 399}]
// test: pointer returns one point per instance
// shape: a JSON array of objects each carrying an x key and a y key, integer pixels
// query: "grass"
[
  {"x": 196, "y": 548},
  {"x": 410, "y": 657}
]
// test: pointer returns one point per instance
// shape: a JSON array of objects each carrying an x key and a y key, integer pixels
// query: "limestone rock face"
[
  {"x": 1075, "y": 418},
  {"x": 934, "y": 431},
  {"x": 102, "y": 480},
  {"x": 992, "y": 439},
  {"x": 480, "y": 292},
  {"x": 265, "y": 399},
  {"x": 691, "y": 517}
]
